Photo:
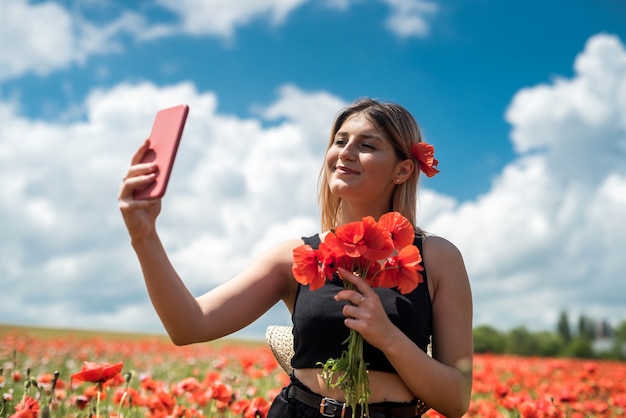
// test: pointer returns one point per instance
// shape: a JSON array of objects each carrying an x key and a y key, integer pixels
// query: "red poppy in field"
[
  {"x": 258, "y": 407},
  {"x": 97, "y": 373},
  {"x": 161, "y": 404},
  {"x": 239, "y": 406},
  {"x": 45, "y": 378},
  {"x": 27, "y": 408},
  {"x": 80, "y": 401},
  {"x": 211, "y": 376},
  {"x": 186, "y": 385},
  {"x": 619, "y": 399},
  {"x": 150, "y": 385},
  {"x": 16, "y": 376},
  {"x": 220, "y": 392},
  {"x": 129, "y": 397},
  {"x": 182, "y": 411},
  {"x": 95, "y": 391},
  {"x": 399, "y": 227}
]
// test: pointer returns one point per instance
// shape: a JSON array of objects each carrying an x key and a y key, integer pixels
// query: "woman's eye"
[{"x": 339, "y": 141}]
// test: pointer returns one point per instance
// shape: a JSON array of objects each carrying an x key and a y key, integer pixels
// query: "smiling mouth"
[{"x": 344, "y": 170}]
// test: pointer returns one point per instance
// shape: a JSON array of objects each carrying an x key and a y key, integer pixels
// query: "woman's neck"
[{"x": 351, "y": 212}]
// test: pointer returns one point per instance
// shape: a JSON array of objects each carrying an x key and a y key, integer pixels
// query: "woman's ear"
[{"x": 403, "y": 171}]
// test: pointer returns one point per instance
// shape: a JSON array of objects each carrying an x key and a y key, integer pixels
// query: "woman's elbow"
[
  {"x": 182, "y": 338},
  {"x": 456, "y": 410}
]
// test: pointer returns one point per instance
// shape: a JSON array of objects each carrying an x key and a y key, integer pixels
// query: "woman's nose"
[{"x": 348, "y": 152}]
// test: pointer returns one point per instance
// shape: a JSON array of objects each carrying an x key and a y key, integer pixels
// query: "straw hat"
[{"x": 280, "y": 340}]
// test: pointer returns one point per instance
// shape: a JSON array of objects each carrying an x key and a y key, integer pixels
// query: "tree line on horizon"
[{"x": 589, "y": 338}]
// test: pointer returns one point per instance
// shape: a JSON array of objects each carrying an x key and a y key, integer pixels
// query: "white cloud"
[
  {"x": 549, "y": 234},
  {"x": 410, "y": 17},
  {"x": 45, "y": 37},
  {"x": 40, "y": 34},
  {"x": 222, "y": 17}
]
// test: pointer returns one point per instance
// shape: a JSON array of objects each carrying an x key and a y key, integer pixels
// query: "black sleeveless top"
[{"x": 319, "y": 330}]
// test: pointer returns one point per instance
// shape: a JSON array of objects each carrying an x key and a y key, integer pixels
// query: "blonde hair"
[{"x": 401, "y": 129}]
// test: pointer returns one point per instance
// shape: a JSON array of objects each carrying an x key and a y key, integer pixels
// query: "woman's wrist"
[{"x": 146, "y": 240}]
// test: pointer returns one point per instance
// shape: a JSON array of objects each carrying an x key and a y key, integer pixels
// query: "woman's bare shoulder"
[
  {"x": 439, "y": 248},
  {"x": 443, "y": 261}
]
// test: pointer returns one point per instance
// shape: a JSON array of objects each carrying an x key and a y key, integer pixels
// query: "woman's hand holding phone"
[
  {"x": 146, "y": 181},
  {"x": 139, "y": 214}
]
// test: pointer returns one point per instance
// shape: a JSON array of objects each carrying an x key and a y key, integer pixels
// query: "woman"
[{"x": 369, "y": 170}]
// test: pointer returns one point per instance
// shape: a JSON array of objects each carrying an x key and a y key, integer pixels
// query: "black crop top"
[{"x": 319, "y": 330}]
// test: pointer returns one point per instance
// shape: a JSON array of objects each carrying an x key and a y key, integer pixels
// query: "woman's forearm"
[
  {"x": 177, "y": 308},
  {"x": 443, "y": 387}
]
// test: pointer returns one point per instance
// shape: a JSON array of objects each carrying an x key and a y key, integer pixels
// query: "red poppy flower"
[
  {"x": 258, "y": 407},
  {"x": 97, "y": 373},
  {"x": 349, "y": 238},
  {"x": 80, "y": 401},
  {"x": 161, "y": 403},
  {"x": 239, "y": 406},
  {"x": 425, "y": 155},
  {"x": 402, "y": 271},
  {"x": 129, "y": 397},
  {"x": 27, "y": 408},
  {"x": 399, "y": 227},
  {"x": 307, "y": 268},
  {"x": 330, "y": 253},
  {"x": 45, "y": 378},
  {"x": 220, "y": 392},
  {"x": 366, "y": 239}
]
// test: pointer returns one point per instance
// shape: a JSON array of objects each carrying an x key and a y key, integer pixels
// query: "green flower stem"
[
  {"x": 98, "y": 399},
  {"x": 349, "y": 372}
]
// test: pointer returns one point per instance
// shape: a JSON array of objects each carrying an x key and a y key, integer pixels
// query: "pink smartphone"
[{"x": 167, "y": 131}]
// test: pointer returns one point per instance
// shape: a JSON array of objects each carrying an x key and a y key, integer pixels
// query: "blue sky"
[{"x": 512, "y": 95}]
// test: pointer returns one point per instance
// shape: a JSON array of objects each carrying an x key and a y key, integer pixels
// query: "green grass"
[{"x": 50, "y": 333}]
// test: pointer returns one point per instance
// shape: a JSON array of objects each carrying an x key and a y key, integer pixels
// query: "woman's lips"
[{"x": 345, "y": 170}]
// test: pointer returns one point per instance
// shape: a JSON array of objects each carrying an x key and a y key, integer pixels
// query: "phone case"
[{"x": 167, "y": 131}]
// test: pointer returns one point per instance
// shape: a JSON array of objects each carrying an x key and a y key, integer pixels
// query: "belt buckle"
[{"x": 329, "y": 407}]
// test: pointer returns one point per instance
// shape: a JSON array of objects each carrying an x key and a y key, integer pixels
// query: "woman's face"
[{"x": 361, "y": 163}]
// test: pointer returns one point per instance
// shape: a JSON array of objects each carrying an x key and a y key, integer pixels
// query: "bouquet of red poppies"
[{"x": 383, "y": 254}]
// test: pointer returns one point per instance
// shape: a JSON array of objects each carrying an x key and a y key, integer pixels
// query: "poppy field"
[{"x": 73, "y": 374}]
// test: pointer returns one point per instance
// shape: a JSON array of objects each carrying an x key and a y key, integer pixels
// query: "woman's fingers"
[
  {"x": 139, "y": 215},
  {"x": 139, "y": 174},
  {"x": 358, "y": 295},
  {"x": 364, "y": 313},
  {"x": 139, "y": 153},
  {"x": 358, "y": 282}
]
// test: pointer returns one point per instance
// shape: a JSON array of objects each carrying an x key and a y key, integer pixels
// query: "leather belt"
[{"x": 329, "y": 407}]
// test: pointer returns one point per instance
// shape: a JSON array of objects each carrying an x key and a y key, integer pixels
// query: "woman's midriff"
[{"x": 384, "y": 387}]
